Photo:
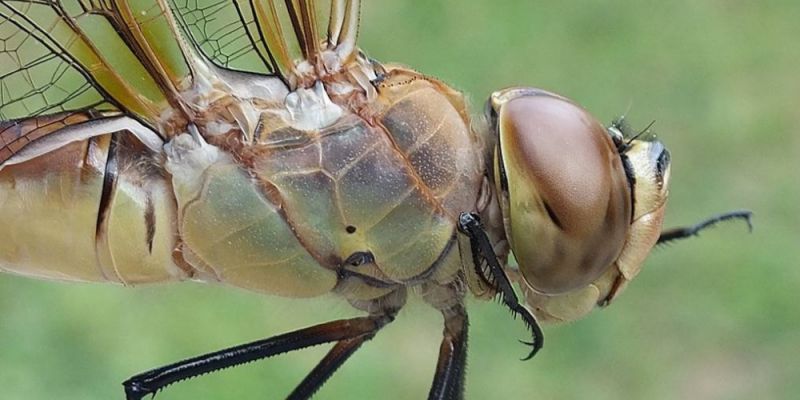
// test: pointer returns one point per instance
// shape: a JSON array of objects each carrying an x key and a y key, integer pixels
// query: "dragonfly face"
[
  {"x": 156, "y": 141},
  {"x": 581, "y": 204}
]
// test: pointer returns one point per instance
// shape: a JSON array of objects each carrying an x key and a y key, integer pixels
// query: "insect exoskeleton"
[
  {"x": 139, "y": 144},
  {"x": 332, "y": 191},
  {"x": 582, "y": 205}
]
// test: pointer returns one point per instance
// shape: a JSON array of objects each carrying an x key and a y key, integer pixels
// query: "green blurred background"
[{"x": 711, "y": 318}]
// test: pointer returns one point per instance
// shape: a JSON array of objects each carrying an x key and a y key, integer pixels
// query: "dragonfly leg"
[
  {"x": 448, "y": 382},
  {"x": 348, "y": 333},
  {"x": 689, "y": 231},
  {"x": 470, "y": 225},
  {"x": 327, "y": 366},
  {"x": 387, "y": 306}
]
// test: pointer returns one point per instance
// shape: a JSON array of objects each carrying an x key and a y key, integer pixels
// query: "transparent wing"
[
  {"x": 16, "y": 135},
  {"x": 63, "y": 55},
  {"x": 37, "y": 76},
  {"x": 226, "y": 32},
  {"x": 139, "y": 58},
  {"x": 267, "y": 36},
  {"x": 66, "y": 64}
]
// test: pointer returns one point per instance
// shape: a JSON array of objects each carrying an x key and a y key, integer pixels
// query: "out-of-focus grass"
[{"x": 713, "y": 318}]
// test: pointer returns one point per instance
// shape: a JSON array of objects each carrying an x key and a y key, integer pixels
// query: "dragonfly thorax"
[{"x": 347, "y": 188}]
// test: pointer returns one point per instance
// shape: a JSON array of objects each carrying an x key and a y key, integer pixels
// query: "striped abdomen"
[{"x": 92, "y": 210}]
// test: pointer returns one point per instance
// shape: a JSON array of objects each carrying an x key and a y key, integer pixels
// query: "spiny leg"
[
  {"x": 349, "y": 333},
  {"x": 388, "y": 305},
  {"x": 327, "y": 366},
  {"x": 470, "y": 225},
  {"x": 688, "y": 231},
  {"x": 448, "y": 383}
]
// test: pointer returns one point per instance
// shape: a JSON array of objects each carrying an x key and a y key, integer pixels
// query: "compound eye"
[{"x": 569, "y": 204}]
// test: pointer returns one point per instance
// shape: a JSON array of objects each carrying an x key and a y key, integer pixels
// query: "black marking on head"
[
  {"x": 350, "y": 229},
  {"x": 661, "y": 167},
  {"x": 621, "y": 125},
  {"x": 630, "y": 174}
]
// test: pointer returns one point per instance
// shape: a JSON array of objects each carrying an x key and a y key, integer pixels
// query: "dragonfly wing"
[
  {"x": 226, "y": 32},
  {"x": 73, "y": 55},
  {"x": 268, "y": 37},
  {"x": 73, "y": 61},
  {"x": 23, "y": 140}
]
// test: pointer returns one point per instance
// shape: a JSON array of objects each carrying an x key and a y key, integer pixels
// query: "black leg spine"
[
  {"x": 152, "y": 381},
  {"x": 469, "y": 224}
]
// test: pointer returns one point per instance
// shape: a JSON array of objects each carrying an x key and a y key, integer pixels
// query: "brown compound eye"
[{"x": 566, "y": 199}]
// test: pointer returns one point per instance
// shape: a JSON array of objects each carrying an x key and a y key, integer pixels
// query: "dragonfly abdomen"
[{"x": 93, "y": 210}]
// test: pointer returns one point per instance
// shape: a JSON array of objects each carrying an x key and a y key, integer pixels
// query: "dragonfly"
[{"x": 254, "y": 144}]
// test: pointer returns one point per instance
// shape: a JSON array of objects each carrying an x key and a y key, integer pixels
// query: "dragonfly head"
[{"x": 569, "y": 189}]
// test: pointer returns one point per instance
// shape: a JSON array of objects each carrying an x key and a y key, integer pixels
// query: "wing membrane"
[
  {"x": 37, "y": 77},
  {"x": 267, "y": 36},
  {"x": 60, "y": 59},
  {"x": 17, "y": 134},
  {"x": 65, "y": 65},
  {"x": 71, "y": 36},
  {"x": 226, "y": 32}
]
